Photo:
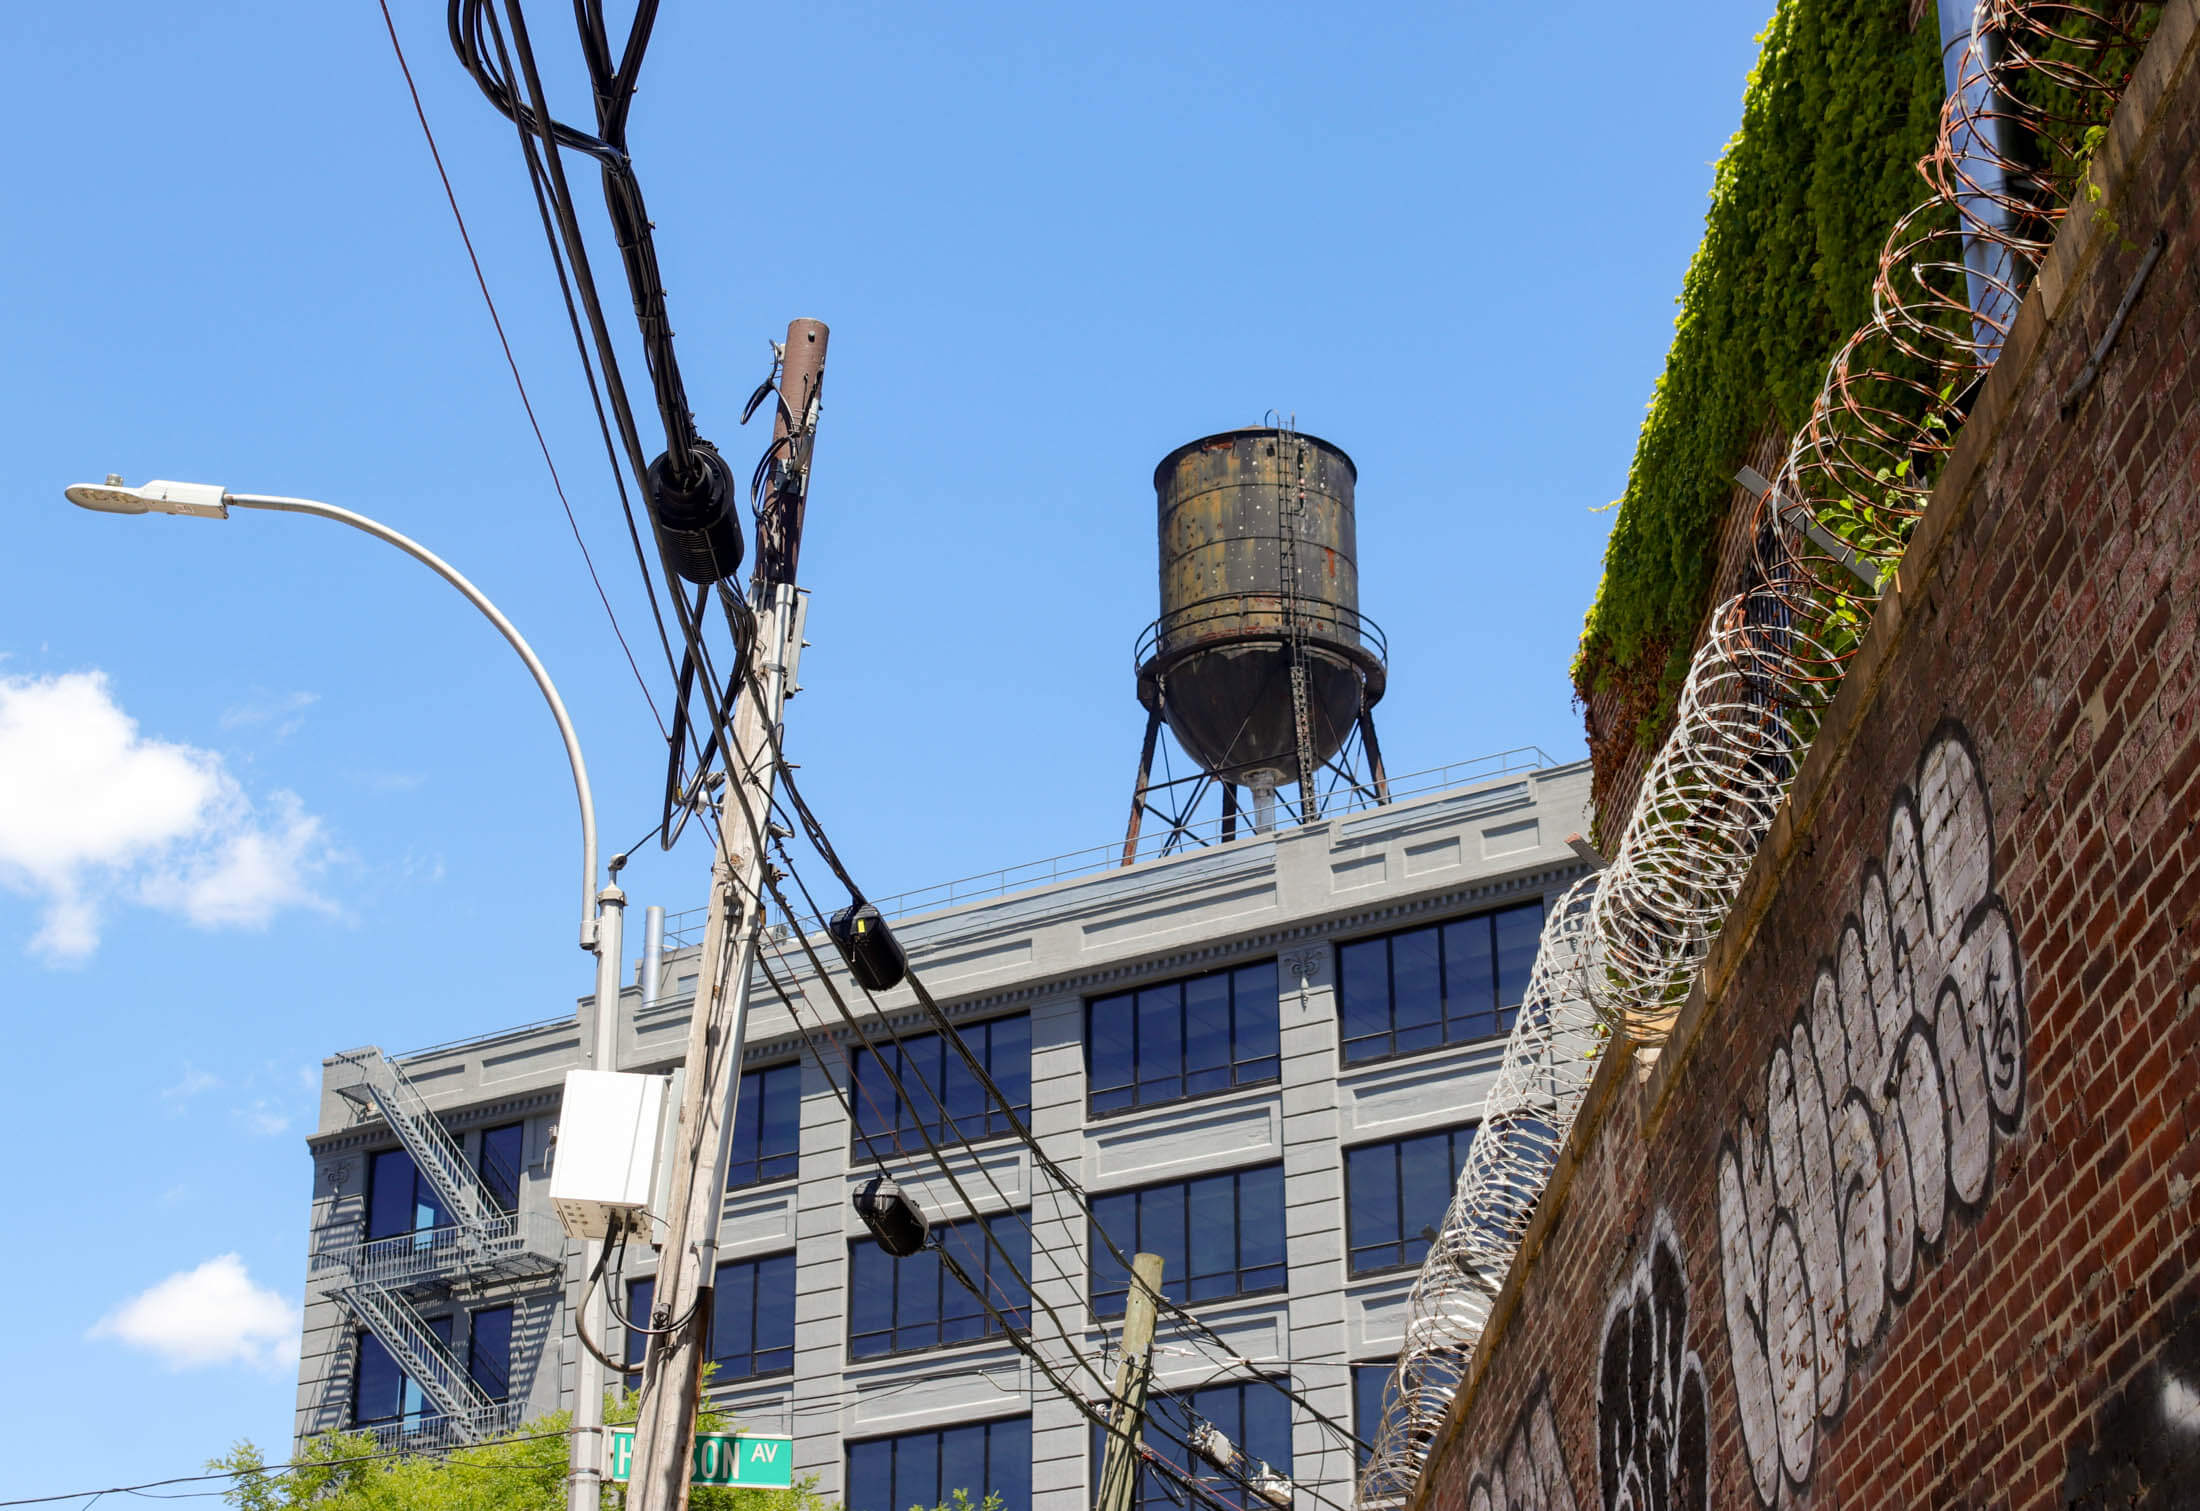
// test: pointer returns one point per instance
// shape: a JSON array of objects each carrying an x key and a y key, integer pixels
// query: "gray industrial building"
[
  {"x": 1261, "y": 1059},
  {"x": 1254, "y": 1043}
]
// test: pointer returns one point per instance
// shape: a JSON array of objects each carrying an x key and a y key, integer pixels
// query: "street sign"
[{"x": 752, "y": 1460}]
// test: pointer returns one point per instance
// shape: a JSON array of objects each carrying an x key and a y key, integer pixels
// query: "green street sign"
[{"x": 753, "y": 1460}]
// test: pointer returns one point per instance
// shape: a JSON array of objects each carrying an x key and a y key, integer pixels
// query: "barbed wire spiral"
[{"x": 2032, "y": 86}]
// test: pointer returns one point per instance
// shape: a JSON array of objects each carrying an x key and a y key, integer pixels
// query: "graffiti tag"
[
  {"x": 1529, "y": 1472},
  {"x": 1881, "y": 1111},
  {"x": 1653, "y": 1446}
]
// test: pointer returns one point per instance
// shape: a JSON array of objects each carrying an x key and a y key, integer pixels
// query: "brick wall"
[{"x": 1903, "y": 1214}]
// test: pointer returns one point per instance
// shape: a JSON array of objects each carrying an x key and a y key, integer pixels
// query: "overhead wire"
[{"x": 512, "y": 363}]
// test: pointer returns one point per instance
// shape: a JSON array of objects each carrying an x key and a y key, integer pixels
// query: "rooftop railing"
[{"x": 685, "y": 930}]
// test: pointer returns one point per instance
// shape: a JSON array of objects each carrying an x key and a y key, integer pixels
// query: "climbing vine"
[{"x": 1841, "y": 105}]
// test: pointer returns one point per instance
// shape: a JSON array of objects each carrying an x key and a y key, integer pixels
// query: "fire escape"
[{"x": 383, "y": 1282}]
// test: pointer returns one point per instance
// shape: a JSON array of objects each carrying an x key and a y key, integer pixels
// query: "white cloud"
[
  {"x": 188, "y": 1085},
  {"x": 286, "y": 713},
  {"x": 212, "y": 1315},
  {"x": 93, "y": 812},
  {"x": 262, "y": 1118}
]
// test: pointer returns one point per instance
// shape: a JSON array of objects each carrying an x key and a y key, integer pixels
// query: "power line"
[
  {"x": 291, "y": 1468},
  {"x": 481, "y": 280}
]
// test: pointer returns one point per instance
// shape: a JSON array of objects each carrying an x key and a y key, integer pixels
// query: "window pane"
[
  {"x": 779, "y": 1140},
  {"x": 640, "y": 1297},
  {"x": 1207, "y": 1055},
  {"x": 1518, "y": 932},
  {"x": 1371, "y": 1209},
  {"x": 1117, "y": 1217},
  {"x": 874, "y": 1100},
  {"x": 1160, "y": 1043},
  {"x": 923, "y": 1085},
  {"x": 489, "y": 1356},
  {"x": 1260, "y": 1227},
  {"x": 1470, "y": 978},
  {"x": 967, "y": 1102},
  {"x": 917, "y": 1470},
  {"x": 1008, "y": 1463},
  {"x": 871, "y": 1476},
  {"x": 1161, "y": 1231},
  {"x": 500, "y": 1163},
  {"x": 962, "y": 1462},
  {"x": 1212, "y": 1213},
  {"x": 748, "y": 1127},
  {"x": 963, "y": 1315},
  {"x": 1416, "y": 990},
  {"x": 1370, "y": 1397},
  {"x": 1253, "y": 989},
  {"x": 871, "y": 1277},
  {"x": 1424, "y": 1180},
  {"x": 1108, "y": 1034},
  {"x": 1363, "y": 997},
  {"x": 733, "y": 1320},
  {"x": 775, "y": 1313},
  {"x": 1008, "y": 1061},
  {"x": 377, "y": 1384},
  {"x": 389, "y": 1194}
]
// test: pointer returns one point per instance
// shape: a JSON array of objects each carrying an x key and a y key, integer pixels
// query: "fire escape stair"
[{"x": 377, "y": 1280}]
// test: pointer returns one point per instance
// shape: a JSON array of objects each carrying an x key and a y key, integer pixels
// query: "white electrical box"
[{"x": 602, "y": 1181}]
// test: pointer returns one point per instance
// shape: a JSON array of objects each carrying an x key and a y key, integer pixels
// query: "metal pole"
[
  {"x": 1138, "y": 788},
  {"x": 584, "y": 1482},
  {"x": 653, "y": 955},
  {"x": 672, "y": 1371},
  {"x": 1119, "y": 1468},
  {"x": 513, "y": 637},
  {"x": 603, "y": 917}
]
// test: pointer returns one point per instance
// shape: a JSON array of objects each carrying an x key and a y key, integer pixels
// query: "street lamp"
[{"x": 602, "y": 912}]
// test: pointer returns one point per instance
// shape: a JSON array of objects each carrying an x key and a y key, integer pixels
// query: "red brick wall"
[{"x": 1903, "y": 1214}]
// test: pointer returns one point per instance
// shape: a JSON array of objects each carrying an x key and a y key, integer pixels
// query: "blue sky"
[{"x": 267, "y": 789}]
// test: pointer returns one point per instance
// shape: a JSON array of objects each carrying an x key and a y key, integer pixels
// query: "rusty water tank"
[{"x": 1217, "y": 663}]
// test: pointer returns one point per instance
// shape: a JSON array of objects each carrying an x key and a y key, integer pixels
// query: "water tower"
[{"x": 1261, "y": 664}]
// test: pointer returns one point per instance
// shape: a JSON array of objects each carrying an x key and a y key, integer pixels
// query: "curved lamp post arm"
[
  {"x": 211, "y": 501},
  {"x": 505, "y": 627}
]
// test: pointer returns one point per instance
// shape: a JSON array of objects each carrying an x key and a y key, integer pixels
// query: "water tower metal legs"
[
  {"x": 1374, "y": 756},
  {"x": 1138, "y": 789}
]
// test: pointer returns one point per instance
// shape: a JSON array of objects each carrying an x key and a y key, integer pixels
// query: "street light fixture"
[{"x": 602, "y": 912}]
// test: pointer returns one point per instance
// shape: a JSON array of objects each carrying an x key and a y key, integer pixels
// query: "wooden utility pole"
[
  {"x": 672, "y": 1370},
  {"x": 1127, "y": 1418}
]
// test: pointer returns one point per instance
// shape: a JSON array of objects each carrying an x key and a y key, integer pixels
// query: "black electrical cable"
[
  {"x": 496, "y": 320},
  {"x": 977, "y": 1069}
]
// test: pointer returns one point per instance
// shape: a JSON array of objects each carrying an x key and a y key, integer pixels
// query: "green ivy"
[{"x": 1843, "y": 102}]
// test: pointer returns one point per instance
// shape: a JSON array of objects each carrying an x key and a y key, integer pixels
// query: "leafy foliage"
[
  {"x": 523, "y": 1472},
  {"x": 1842, "y": 104}
]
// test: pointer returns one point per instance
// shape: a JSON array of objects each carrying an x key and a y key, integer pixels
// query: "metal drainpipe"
[{"x": 1978, "y": 148}]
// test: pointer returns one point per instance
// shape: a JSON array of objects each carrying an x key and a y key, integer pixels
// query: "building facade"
[{"x": 1262, "y": 1060}]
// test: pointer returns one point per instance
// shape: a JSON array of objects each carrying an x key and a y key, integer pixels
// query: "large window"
[
  {"x": 927, "y": 1468},
  {"x": 502, "y": 1155},
  {"x": 1253, "y": 1415},
  {"x": 886, "y": 1123},
  {"x": 399, "y": 1198},
  {"x": 489, "y": 1351},
  {"x": 1219, "y": 1235},
  {"x": 751, "y": 1319},
  {"x": 1444, "y": 983},
  {"x": 895, "y": 1305},
  {"x": 1370, "y": 1399},
  {"x": 1182, "y": 1038},
  {"x": 1396, "y": 1194},
  {"x": 382, "y": 1394},
  {"x": 767, "y": 1126}
]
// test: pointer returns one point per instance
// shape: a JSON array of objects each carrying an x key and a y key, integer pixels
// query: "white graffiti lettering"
[
  {"x": 1529, "y": 1472},
  {"x": 1881, "y": 1110}
]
